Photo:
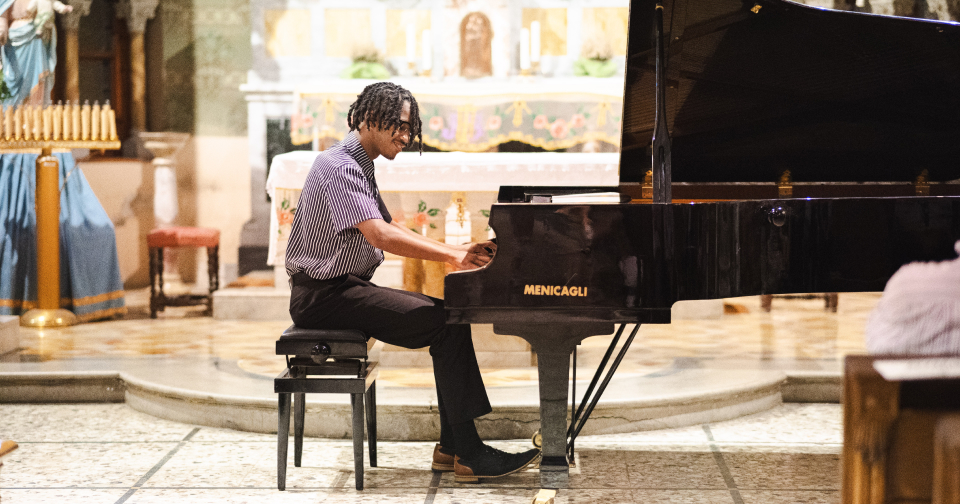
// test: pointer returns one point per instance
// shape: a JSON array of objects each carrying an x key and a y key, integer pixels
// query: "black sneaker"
[{"x": 491, "y": 463}]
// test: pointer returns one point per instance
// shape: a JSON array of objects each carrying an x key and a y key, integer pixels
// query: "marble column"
[
  {"x": 137, "y": 12},
  {"x": 164, "y": 147},
  {"x": 71, "y": 23}
]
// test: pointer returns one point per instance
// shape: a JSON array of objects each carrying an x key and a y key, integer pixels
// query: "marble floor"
[
  {"x": 797, "y": 335},
  {"x": 109, "y": 453}
]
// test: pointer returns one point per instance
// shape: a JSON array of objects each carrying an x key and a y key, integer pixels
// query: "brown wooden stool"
[{"x": 182, "y": 236}]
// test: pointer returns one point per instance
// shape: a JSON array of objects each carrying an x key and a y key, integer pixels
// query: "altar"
[
  {"x": 470, "y": 116},
  {"x": 427, "y": 192}
]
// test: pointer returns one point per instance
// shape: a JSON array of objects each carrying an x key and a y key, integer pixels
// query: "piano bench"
[{"x": 326, "y": 362}]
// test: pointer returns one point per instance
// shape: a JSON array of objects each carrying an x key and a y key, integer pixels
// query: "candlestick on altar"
[
  {"x": 43, "y": 129},
  {"x": 524, "y": 51},
  {"x": 411, "y": 47},
  {"x": 535, "y": 46},
  {"x": 427, "y": 47}
]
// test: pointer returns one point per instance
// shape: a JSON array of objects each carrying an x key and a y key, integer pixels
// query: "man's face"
[{"x": 390, "y": 143}]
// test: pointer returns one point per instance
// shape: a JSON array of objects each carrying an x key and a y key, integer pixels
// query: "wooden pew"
[{"x": 901, "y": 438}]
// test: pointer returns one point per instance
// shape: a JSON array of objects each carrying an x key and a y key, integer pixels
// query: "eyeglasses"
[{"x": 405, "y": 128}]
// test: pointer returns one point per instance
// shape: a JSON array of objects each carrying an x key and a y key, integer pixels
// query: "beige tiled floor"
[
  {"x": 796, "y": 334},
  {"x": 109, "y": 453}
]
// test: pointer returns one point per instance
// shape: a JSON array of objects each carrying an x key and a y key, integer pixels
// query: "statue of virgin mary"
[{"x": 90, "y": 283}]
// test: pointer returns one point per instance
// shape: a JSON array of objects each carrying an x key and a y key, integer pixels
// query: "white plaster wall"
[
  {"x": 125, "y": 190},
  {"x": 213, "y": 176},
  {"x": 222, "y": 199}
]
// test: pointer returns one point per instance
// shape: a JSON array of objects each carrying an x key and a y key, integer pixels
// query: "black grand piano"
[{"x": 792, "y": 150}]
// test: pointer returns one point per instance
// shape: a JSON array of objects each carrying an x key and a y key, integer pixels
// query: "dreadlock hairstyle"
[{"x": 380, "y": 104}]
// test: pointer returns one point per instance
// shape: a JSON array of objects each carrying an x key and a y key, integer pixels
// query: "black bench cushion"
[{"x": 343, "y": 343}]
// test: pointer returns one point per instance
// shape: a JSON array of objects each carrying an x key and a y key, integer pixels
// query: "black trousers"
[{"x": 404, "y": 319}]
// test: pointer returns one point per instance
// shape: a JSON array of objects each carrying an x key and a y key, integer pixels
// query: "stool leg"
[
  {"x": 299, "y": 409},
  {"x": 153, "y": 282},
  {"x": 371, "y": 400},
  {"x": 213, "y": 274},
  {"x": 283, "y": 434},
  {"x": 356, "y": 402},
  {"x": 161, "y": 300}
]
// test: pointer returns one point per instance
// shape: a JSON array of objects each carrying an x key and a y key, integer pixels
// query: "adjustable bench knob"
[{"x": 320, "y": 352}]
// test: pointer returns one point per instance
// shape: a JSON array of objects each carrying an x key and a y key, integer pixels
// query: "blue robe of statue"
[{"x": 90, "y": 283}]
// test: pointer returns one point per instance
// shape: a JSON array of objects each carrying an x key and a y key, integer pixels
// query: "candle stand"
[{"x": 28, "y": 129}]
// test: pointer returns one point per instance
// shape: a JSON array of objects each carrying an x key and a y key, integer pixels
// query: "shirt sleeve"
[{"x": 351, "y": 199}]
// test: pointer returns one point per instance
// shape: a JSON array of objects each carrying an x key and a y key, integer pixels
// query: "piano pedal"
[
  {"x": 537, "y": 439},
  {"x": 545, "y": 496}
]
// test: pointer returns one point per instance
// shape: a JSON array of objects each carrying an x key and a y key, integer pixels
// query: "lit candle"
[
  {"x": 27, "y": 122},
  {"x": 57, "y": 121},
  {"x": 8, "y": 123},
  {"x": 38, "y": 122},
  {"x": 113, "y": 125},
  {"x": 85, "y": 121},
  {"x": 47, "y": 122},
  {"x": 75, "y": 121},
  {"x": 524, "y": 49},
  {"x": 67, "y": 122},
  {"x": 95, "y": 121},
  {"x": 427, "y": 50},
  {"x": 105, "y": 121},
  {"x": 535, "y": 41},
  {"x": 411, "y": 43},
  {"x": 18, "y": 123}
]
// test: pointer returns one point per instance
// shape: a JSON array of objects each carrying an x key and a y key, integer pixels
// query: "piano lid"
[{"x": 756, "y": 87}]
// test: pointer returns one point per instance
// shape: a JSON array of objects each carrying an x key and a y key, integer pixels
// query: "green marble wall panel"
[{"x": 206, "y": 45}]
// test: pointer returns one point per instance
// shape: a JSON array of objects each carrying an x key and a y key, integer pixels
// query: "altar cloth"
[
  {"x": 474, "y": 116},
  {"x": 437, "y": 173}
]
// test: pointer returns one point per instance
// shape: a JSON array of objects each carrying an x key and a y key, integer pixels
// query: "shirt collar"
[{"x": 351, "y": 144}]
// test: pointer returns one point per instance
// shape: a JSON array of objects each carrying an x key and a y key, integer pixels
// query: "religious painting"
[
  {"x": 609, "y": 24},
  {"x": 287, "y": 32},
  {"x": 345, "y": 31},
  {"x": 553, "y": 29},
  {"x": 476, "y": 35}
]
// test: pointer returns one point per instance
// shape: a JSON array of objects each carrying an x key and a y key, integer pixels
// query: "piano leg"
[{"x": 553, "y": 345}]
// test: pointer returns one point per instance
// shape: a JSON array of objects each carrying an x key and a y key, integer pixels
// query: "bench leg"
[
  {"x": 283, "y": 433},
  {"x": 299, "y": 411},
  {"x": 356, "y": 402},
  {"x": 371, "y": 400}
]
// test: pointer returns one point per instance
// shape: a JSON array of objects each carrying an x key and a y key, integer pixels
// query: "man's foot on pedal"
[
  {"x": 442, "y": 462},
  {"x": 490, "y": 463}
]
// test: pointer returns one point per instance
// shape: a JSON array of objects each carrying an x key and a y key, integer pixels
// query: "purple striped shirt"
[{"x": 340, "y": 192}]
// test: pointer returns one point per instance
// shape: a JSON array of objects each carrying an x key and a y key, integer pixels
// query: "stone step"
[
  {"x": 9, "y": 333},
  {"x": 218, "y": 393}
]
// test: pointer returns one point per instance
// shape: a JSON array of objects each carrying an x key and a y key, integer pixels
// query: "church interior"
[{"x": 153, "y": 156}]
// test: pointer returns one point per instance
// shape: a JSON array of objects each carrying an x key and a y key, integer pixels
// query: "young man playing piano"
[{"x": 340, "y": 231}]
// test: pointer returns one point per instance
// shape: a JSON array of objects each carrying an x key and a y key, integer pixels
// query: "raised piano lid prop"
[{"x": 786, "y": 148}]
